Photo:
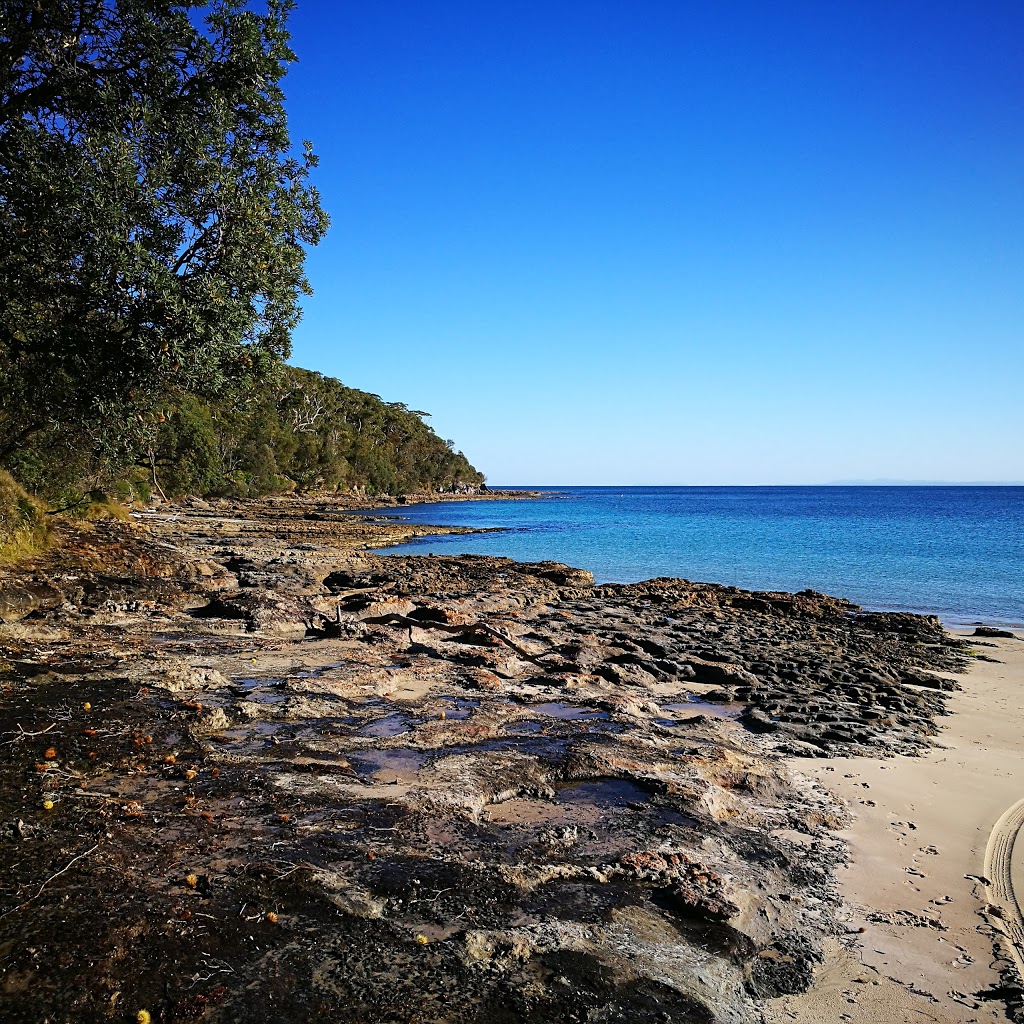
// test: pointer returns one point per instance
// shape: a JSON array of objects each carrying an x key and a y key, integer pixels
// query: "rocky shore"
[{"x": 253, "y": 771}]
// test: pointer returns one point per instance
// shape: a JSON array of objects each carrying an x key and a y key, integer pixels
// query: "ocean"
[{"x": 957, "y": 552}]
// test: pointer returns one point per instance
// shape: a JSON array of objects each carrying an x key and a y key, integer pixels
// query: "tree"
[
  {"x": 153, "y": 214},
  {"x": 303, "y": 431}
]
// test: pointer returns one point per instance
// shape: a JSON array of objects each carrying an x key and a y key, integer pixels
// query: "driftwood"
[
  {"x": 324, "y": 626},
  {"x": 468, "y": 627}
]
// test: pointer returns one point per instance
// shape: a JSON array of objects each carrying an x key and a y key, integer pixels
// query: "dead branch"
[
  {"x": 469, "y": 627},
  {"x": 57, "y": 874},
  {"x": 342, "y": 594},
  {"x": 296, "y": 867},
  {"x": 21, "y": 734},
  {"x": 92, "y": 849}
]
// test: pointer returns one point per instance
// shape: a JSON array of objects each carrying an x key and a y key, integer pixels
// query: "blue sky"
[{"x": 675, "y": 243}]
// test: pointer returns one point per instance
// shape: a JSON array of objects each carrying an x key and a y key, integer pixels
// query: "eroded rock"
[{"x": 286, "y": 799}]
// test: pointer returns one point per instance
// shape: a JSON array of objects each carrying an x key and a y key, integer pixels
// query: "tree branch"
[{"x": 469, "y": 627}]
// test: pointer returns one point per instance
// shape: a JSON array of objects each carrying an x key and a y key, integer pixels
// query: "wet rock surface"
[{"x": 272, "y": 776}]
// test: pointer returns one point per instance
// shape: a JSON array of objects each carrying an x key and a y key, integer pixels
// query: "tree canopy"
[
  {"x": 153, "y": 212},
  {"x": 304, "y": 431}
]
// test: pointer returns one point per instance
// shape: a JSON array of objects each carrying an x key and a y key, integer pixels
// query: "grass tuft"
[{"x": 24, "y": 530}]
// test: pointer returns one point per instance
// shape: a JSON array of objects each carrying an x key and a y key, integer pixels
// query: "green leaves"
[
  {"x": 304, "y": 431},
  {"x": 153, "y": 213}
]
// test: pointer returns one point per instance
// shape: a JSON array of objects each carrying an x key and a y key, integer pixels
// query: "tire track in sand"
[{"x": 1000, "y": 871}]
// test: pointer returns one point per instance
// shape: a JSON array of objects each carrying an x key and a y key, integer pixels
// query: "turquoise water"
[{"x": 957, "y": 552}]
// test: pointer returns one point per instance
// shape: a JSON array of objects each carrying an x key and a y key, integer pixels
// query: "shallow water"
[
  {"x": 262, "y": 691},
  {"x": 683, "y": 710},
  {"x": 403, "y": 763},
  {"x": 617, "y": 793},
  {"x": 395, "y": 724},
  {"x": 957, "y": 552},
  {"x": 568, "y": 712},
  {"x": 459, "y": 709}
]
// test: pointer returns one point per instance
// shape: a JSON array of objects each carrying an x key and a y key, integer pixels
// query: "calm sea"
[{"x": 954, "y": 551}]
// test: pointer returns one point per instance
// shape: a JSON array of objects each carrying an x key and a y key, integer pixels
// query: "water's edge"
[{"x": 963, "y": 618}]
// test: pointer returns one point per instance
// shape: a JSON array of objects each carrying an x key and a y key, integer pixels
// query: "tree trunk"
[{"x": 152, "y": 469}]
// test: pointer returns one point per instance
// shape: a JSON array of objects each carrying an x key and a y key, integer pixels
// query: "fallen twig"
[
  {"x": 296, "y": 867},
  {"x": 342, "y": 594},
  {"x": 21, "y": 734},
  {"x": 57, "y": 874},
  {"x": 469, "y": 627},
  {"x": 98, "y": 795},
  {"x": 437, "y": 895}
]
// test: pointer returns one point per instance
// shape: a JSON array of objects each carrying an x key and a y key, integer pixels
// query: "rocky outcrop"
[
  {"x": 992, "y": 631},
  {"x": 255, "y": 768}
]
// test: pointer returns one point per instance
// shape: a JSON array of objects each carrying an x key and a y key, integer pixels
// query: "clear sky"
[{"x": 675, "y": 242}]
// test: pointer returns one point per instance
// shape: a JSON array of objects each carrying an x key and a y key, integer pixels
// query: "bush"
[{"x": 304, "y": 432}]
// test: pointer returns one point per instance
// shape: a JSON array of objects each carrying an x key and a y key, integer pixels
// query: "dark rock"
[
  {"x": 433, "y": 613},
  {"x": 720, "y": 696},
  {"x": 784, "y": 968},
  {"x": 562, "y": 575},
  {"x": 261, "y": 611},
  {"x": 656, "y": 650},
  {"x": 923, "y": 628},
  {"x": 19, "y": 601},
  {"x": 757, "y": 721},
  {"x": 930, "y": 681},
  {"x": 720, "y": 673}
]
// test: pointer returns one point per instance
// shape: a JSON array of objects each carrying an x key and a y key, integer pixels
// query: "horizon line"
[{"x": 832, "y": 483}]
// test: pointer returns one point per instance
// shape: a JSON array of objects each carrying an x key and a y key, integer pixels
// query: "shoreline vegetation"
[
  {"x": 155, "y": 219},
  {"x": 301, "y": 432},
  {"x": 259, "y": 769}
]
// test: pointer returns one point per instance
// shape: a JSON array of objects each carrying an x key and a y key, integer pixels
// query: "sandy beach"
[{"x": 925, "y": 940}]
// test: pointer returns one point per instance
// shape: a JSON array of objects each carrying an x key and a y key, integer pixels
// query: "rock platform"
[{"x": 252, "y": 770}]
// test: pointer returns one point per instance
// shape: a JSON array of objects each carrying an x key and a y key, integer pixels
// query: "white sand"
[{"x": 921, "y": 825}]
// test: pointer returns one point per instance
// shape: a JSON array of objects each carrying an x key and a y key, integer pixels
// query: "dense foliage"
[
  {"x": 152, "y": 213},
  {"x": 153, "y": 218},
  {"x": 306, "y": 432}
]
